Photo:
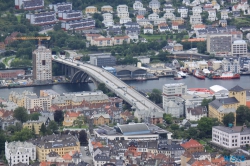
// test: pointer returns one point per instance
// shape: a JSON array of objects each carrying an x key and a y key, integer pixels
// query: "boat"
[
  {"x": 226, "y": 76},
  {"x": 178, "y": 77},
  {"x": 198, "y": 75},
  {"x": 140, "y": 78},
  {"x": 182, "y": 74}
]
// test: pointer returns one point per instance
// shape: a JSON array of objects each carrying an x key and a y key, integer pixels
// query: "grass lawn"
[
  {"x": 202, "y": 142},
  {"x": 18, "y": 18},
  {"x": 153, "y": 37},
  {"x": 5, "y": 61}
]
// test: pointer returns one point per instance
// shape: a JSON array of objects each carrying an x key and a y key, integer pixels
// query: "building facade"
[
  {"x": 36, "y": 125},
  {"x": 219, "y": 43},
  {"x": 103, "y": 60},
  {"x": 42, "y": 65},
  {"x": 239, "y": 48},
  {"x": 230, "y": 65}
]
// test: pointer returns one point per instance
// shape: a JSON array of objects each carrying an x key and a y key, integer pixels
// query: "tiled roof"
[
  {"x": 67, "y": 157},
  {"x": 201, "y": 163},
  {"x": 237, "y": 88},
  {"x": 191, "y": 143},
  {"x": 121, "y": 37},
  {"x": 101, "y": 39},
  {"x": 93, "y": 34},
  {"x": 200, "y": 110},
  {"x": 219, "y": 102},
  {"x": 72, "y": 114}
]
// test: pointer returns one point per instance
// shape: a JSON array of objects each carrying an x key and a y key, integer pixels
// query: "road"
[
  {"x": 130, "y": 95},
  {"x": 84, "y": 157}
]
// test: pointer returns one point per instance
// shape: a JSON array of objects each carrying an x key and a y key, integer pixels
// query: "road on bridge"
[{"x": 130, "y": 95}]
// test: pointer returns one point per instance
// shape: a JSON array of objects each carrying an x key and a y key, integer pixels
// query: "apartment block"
[
  {"x": 42, "y": 18},
  {"x": 103, "y": 60},
  {"x": 91, "y": 10},
  {"x": 230, "y": 65},
  {"x": 219, "y": 43},
  {"x": 239, "y": 48},
  {"x": 70, "y": 15},
  {"x": 195, "y": 19},
  {"x": 33, "y": 101},
  {"x": 19, "y": 98},
  {"x": 62, "y": 144},
  {"x": 42, "y": 65},
  {"x": 171, "y": 91},
  {"x": 19, "y": 152},
  {"x": 60, "y": 7},
  {"x": 78, "y": 24},
  {"x": 29, "y": 4},
  {"x": 33, "y": 124}
]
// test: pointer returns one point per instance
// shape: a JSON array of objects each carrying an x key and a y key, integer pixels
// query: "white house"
[
  {"x": 168, "y": 9},
  {"x": 183, "y": 12},
  {"x": 170, "y": 16},
  {"x": 159, "y": 21},
  {"x": 176, "y": 110},
  {"x": 212, "y": 15},
  {"x": 122, "y": 11},
  {"x": 19, "y": 152},
  {"x": 230, "y": 65},
  {"x": 196, "y": 113},
  {"x": 124, "y": 20},
  {"x": 153, "y": 16},
  {"x": 148, "y": 30},
  {"x": 196, "y": 10},
  {"x": 154, "y": 4},
  {"x": 224, "y": 14},
  {"x": 108, "y": 19},
  {"x": 195, "y": 19},
  {"x": 231, "y": 137},
  {"x": 143, "y": 22},
  {"x": 137, "y": 5}
]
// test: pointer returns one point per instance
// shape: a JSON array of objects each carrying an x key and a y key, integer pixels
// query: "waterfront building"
[
  {"x": 220, "y": 107},
  {"x": 219, "y": 44},
  {"x": 34, "y": 124},
  {"x": 19, "y": 98},
  {"x": 48, "y": 92},
  {"x": 60, "y": 143},
  {"x": 230, "y": 65},
  {"x": 91, "y": 10},
  {"x": 42, "y": 65},
  {"x": 19, "y": 152},
  {"x": 29, "y": 4},
  {"x": 231, "y": 137},
  {"x": 170, "y": 91},
  {"x": 7, "y": 74},
  {"x": 239, "y": 48},
  {"x": 32, "y": 101},
  {"x": 103, "y": 60}
]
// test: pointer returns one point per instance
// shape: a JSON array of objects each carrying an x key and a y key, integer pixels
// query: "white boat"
[{"x": 183, "y": 75}]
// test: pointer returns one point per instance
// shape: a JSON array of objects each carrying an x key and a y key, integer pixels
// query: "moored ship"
[
  {"x": 226, "y": 76},
  {"x": 198, "y": 75}
]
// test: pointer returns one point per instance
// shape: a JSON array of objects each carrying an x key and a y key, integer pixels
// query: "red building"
[{"x": 10, "y": 73}]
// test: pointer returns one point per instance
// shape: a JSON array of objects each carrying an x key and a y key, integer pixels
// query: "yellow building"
[
  {"x": 37, "y": 125},
  {"x": 107, "y": 8},
  {"x": 20, "y": 98},
  {"x": 69, "y": 118},
  {"x": 216, "y": 65},
  {"x": 220, "y": 107},
  {"x": 100, "y": 119},
  {"x": 61, "y": 144},
  {"x": 91, "y": 10}
]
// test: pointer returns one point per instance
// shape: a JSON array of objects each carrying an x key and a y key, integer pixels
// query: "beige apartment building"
[
  {"x": 36, "y": 124},
  {"x": 107, "y": 8},
  {"x": 91, "y": 10},
  {"x": 19, "y": 98},
  {"x": 32, "y": 101},
  {"x": 102, "y": 42},
  {"x": 120, "y": 39}
]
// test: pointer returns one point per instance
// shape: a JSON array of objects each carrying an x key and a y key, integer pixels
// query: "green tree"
[
  {"x": 192, "y": 132},
  {"x": 20, "y": 113},
  {"x": 205, "y": 125},
  {"x": 242, "y": 114},
  {"x": 228, "y": 118},
  {"x": 103, "y": 88},
  {"x": 43, "y": 129},
  {"x": 83, "y": 138},
  {"x": 2, "y": 65},
  {"x": 53, "y": 127},
  {"x": 168, "y": 118},
  {"x": 34, "y": 116},
  {"x": 14, "y": 128},
  {"x": 174, "y": 127},
  {"x": 205, "y": 101},
  {"x": 155, "y": 96},
  {"x": 58, "y": 116},
  {"x": 23, "y": 135},
  {"x": 79, "y": 121}
]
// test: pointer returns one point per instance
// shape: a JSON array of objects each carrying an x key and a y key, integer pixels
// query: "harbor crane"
[{"x": 39, "y": 38}]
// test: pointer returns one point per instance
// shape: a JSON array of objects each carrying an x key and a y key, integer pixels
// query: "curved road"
[{"x": 119, "y": 87}]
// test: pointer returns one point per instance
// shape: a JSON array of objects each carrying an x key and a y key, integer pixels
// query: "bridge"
[{"x": 81, "y": 72}]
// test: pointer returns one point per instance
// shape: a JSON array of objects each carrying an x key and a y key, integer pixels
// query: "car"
[
  {"x": 86, "y": 148},
  {"x": 87, "y": 154}
]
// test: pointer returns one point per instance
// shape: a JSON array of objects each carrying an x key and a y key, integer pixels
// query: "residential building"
[
  {"x": 197, "y": 10},
  {"x": 199, "y": 27},
  {"x": 156, "y": 10},
  {"x": 78, "y": 25},
  {"x": 132, "y": 131},
  {"x": 223, "y": 23},
  {"x": 148, "y": 30},
  {"x": 170, "y": 16},
  {"x": 196, "y": 113},
  {"x": 100, "y": 119},
  {"x": 132, "y": 33},
  {"x": 103, "y": 60},
  {"x": 212, "y": 15},
  {"x": 113, "y": 31},
  {"x": 118, "y": 40},
  {"x": 224, "y": 14},
  {"x": 230, "y": 65},
  {"x": 91, "y": 10},
  {"x": 219, "y": 43},
  {"x": 36, "y": 125},
  {"x": 159, "y": 21},
  {"x": 7, "y": 74},
  {"x": 139, "y": 17},
  {"x": 19, "y": 98},
  {"x": 107, "y": 8},
  {"x": 220, "y": 107},
  {"x": 69, "y": 118},
  {"x": 125, "y": 20},
  {"x": 131, "y": 25},
  {"x": 137, "y": 5},
  {"x": 60, "y": 143},
  {"x": 19, "y": 152},
  {"x": 29, "y": 4},
  {"x": 142, "y": 11},
  {"x": 183, "y": 12},
  {"x": 46, "y": 117},
  {"x": 32, "y": 101},
  {"x": 153, "y": 16},
  {"x": 70, "y": 15},
  {"x": 193, "y": 146},
  {"x": 239, "y": 48},
  {"x": 170, "y": 150},
  {"x": 102, "y": 42},
  {"x": 122, "y": 11},
  {"x": 178, "y": 20},
  {"x": 163, "y": 27},
  {"x": 108, "y": 19},
  {"x": 42, "y": 18},
  {"x": 42, "y": 65},
  {"x": 101, "y": 159},
  {"x": 168, "y": 9},
  {"x": 170, "y": 91},
  {"x": 173, "y": 108},
  {"x": 144, "y": 22},
  {"x": 175, "y": 26},
  {"x": 178, "y": 47},
  {"x": 236, "y": 35},
  {"x": 49, "y": 92},
  {"x": 231, "y": 137},
  {"x": 195, "y": 19},
  {"x": 154, "y": 4},
  {"x": 61, "y": 7},
  {"x": 5, "y": 123}
]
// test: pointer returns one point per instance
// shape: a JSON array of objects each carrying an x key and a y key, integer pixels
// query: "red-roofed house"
[
  {"x": 102, "y": 41},
  {"x": 199, "y": 27},
  {"x": 202, "y": 163},
  {"x": 69, "y": 118},
  {"x": 175, "y": 26},
  {"x": 91, "y": 36},
  {"x": 139, "y": 17},
  {"x": 120, "y": 39},
  {"x": 193, "y": 146}
]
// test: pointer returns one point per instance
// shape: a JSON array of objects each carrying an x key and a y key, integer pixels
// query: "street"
[{"x": 84, "y": 157}]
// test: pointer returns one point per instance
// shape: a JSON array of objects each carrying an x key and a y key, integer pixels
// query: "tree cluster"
[
  {"x": 243, "y": 115},
  {"x": 50, "y": 129},
  {"x": 156, "y": 96},
  {"x": 82, "y": 136},
  {"x": 21, "y": 114}
]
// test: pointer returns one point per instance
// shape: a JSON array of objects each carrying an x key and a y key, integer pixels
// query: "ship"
[
  {"x": 226, "y": 76},
  {"x": 140, "y": 78},
  {"x": 182, "y": 74},
  {"x": 198, "y": 75},
  {"x": 178, "y": 77}
]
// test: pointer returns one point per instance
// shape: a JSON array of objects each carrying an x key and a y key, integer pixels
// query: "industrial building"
[
  {"x": 129, "y": 71},
  {"x": 78, "y": 24},
  {"x": 29, "y": 4},
  {"x": 42, "y": 18},
  {"x": 239, "y": 48},
  {"x": 103, "y": 60},
  {"x": 42, "y": 65},
  {"x": 219, "y": 44},
  {"x": 110, "y": 69}
]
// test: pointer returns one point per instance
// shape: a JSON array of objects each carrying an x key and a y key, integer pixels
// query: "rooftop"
[
  {"x": 237, "y": 88},
  {"x": 220, "y": 102},
  {"x": 191, "y": 144}
]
